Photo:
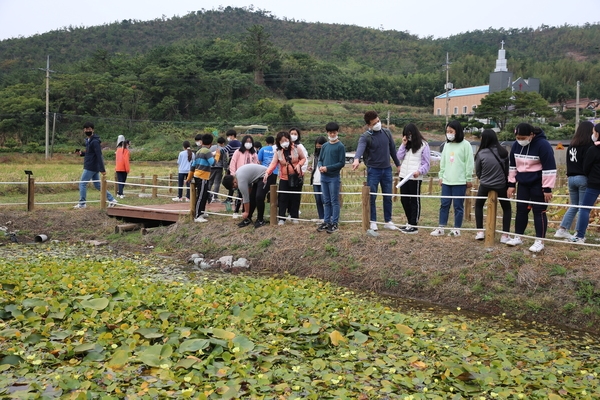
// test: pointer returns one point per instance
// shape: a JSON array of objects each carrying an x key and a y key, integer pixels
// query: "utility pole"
[
  {"x": 577, "y": 106},
  {"x": 448, "y": 85},
  {"x": 47, "y": 105}
]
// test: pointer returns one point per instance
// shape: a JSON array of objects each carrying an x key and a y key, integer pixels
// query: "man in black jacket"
[{"x": 93, "y": 165}]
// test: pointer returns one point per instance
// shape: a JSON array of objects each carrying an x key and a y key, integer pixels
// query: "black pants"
[
  {"x": 411, "y": 205},
  {"x": 532, "y": 192},
  {"x": 214, "y": 182},
  {"x": 262, "y": 191},
  {"x": 288, "y": 201},
  {"x": 505, "y": 204},
  {"x": 121, "y": 178},
  {"x": 201, "y": 195}
]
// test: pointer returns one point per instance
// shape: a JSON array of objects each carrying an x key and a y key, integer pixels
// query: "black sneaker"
[
  {"x": 332, "y": 228},
  {"x": 259, "y": 223},
  {"x": 411, "y": 230},
  {"x": 323, "y": 227},
  {"x": 245, "y": 222}
]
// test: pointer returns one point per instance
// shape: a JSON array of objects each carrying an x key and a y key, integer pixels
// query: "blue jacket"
[{"x": 92, "y": 158}]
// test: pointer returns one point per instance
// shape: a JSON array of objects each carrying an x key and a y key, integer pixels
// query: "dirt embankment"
[{"x": 559, "y": 286}]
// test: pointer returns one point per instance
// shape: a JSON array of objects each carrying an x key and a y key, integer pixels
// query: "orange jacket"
[{"x": 122, "y": 160}]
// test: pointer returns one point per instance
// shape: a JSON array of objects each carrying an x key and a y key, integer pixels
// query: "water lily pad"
[
  {"x": 96, "y": 304},
  {"x": 193, "y": 345},
  {"x": 149, "y": 333}
]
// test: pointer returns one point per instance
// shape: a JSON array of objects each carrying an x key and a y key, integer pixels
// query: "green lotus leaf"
[
  {"x": 119, "y": 359},
  {"x": 85, "y": 347},
  {"x": 149, "y": 333},
  {"x": 193, "y": 345},
  {"x": 243, "y": 344},
  {"x": 11, "y": 360},
  {"x": 31, "y": 303},
  {"x": 98, "y": 304}
]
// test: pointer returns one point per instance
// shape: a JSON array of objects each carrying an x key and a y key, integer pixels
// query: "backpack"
[{"x": 369, "y": 140}]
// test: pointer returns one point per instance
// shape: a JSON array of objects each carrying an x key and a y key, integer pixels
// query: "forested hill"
[{"x": 472, "y": 53}]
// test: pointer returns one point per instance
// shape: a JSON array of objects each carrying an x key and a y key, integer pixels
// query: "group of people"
[{"x": 527, "y": 171}]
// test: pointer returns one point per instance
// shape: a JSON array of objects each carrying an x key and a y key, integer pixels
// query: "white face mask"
[
  {"x": 294, "y": 137},
  {"x": 594, "y": 137},
  {"x": 450, "y": 136},
  {"x": 524, "y": 143},
  {"x": 198, "y": 144},
  {"x": 229, "y": 139},
  {"x": 285, "y": 145},
  {"x": 377, "y": 126},
  {"x": 248, "y": 145},
  {"x": 333, "y": 138}
]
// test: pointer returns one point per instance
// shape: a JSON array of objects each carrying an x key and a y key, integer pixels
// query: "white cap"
[{"x": 120, "y": 139}]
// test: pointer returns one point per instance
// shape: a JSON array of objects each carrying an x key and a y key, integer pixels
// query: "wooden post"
[
  {"x": 273, "y": 205},
  {"x": 143, "y": 182},
  {"x": 154, "y": 188},
  {"x": 30, "y": 192},
  {"x": 170, "y": 180},
  {"x": 395, "y": 189},
  {"x": 116, "y": 188},
  {"x": 490, "y": 221},
  {"x": 468, "y": 204},
  {"x": 103, "y": 191},
  {"x": 192, "y": 199},
  {"x": 366, "y": 208},
  {"x": 431, "y": 185}
]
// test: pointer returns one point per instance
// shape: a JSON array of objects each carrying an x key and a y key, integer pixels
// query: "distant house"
[{"x": 464, "y": 101}]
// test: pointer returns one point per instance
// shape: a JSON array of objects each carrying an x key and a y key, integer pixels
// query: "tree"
[
  {"x": 496, "y": 107},
  {"x": 260, "y": 51}
]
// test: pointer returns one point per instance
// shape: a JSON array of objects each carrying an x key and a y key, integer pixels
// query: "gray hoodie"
[{"x": 491, "y": 173}]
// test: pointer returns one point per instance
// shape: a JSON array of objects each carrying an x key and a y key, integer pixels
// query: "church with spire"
[{"x": 464, "y": 101}]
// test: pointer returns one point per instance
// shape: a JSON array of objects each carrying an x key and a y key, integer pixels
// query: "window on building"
[
  {"x": 439, "y": 111},
  {"x": 455, "y": 110},
  {"x": 464, "y": 109}
]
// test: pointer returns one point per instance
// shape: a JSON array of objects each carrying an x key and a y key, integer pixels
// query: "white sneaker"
[
  {"x": 113, "y": 203},
  {"x": 562, "y": 233},
  {"x": 236, "y": 216},
  {"x": 537, "y": 246},
  {"x": 504, "y": 238},
  {"x": 390, "y": 225},
  {"x": 295, "y": 221},
  {"x": 514, "y": 241},
  {"x": 281, "y": 222},
  {"x": 77, "y": 206},
  {"x": 437, "y": 232},
  {"x": 373, "y": 226},
  {"x": 176, "y": 199},
  {"x": 575, "y": 239},
  {"x": 200, "y": 219},
  {"x": 454, "y": 232},
  {"x": 480, "y": 236}
]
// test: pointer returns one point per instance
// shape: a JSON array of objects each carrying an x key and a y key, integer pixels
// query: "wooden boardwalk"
[{"x": 158, "y": 213}]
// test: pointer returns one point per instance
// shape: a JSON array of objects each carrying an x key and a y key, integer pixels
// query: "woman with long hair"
[
  {"x": 577, "y": 181},
  {"x": 121, "y": 164},
  {"x": 415, "y": 156},
  {"x": 295, "y": 136},
  {"x": 184, "y": 163},
  {"x": 456, "y": 173},
  {"x": 246, "y": 154},
  {"x": 491, "y": 167},
  {"x": 290, "y": 161}
]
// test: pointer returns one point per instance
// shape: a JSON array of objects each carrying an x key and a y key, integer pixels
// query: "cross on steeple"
[{"x": 502, "y": 42}]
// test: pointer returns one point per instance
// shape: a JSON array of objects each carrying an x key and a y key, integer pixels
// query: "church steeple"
[{"x": 501, "y": 61}]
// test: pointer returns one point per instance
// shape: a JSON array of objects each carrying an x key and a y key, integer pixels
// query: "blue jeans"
[
  {"x": 85, "y": 178},
  {"x": 584, "y": 214},
  {"x": 577, "y": 186},
  {"x": 459, "y": 209},
  {"x": 330, "y": 186},
  {"x": 319, "y": 201},
  {"x": 383, "y": 177}
]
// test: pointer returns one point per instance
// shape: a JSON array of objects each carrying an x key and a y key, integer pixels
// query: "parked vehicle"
[
  {"x": 350, "y": 157},
  {"x": 435, "y": 156}
]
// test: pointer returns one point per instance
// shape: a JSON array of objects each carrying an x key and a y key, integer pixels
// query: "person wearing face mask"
[
  {"x": 415, "y": 156},
  {"x": 331, "y": 160},
  {"x": 591, "y": 169},
  {"x": 533, "y": 172},
  {"x": 232, "y": 146},
  {"x": 315, "y": 177},
  {"x": 93, "y": 166},
  {"x": 376, "y": 146},
  {"x": 246, "y": 154},
  {"x": 200, "y": 172},
  {"x": 456, "y": 173},
  {"x": 295, "y": 137},
  {"x": 290, "y": 161},
  {"x": 184, "y": 163}
]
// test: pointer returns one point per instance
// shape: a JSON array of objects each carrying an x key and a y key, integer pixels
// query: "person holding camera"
[{"x": 290, "y": 161}]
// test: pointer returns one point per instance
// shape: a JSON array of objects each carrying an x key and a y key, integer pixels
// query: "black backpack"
[{"x": 369, "y": 140}]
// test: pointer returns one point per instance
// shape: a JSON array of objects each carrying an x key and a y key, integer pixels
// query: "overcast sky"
[{"x": 438, "y": 18}]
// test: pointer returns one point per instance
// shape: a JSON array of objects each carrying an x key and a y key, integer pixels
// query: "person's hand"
[
  {"x": 441, "y": 182},
  {"x": 355, "y": 164},
  {"x": 510, "y": 192},
  {"x": 323, "y": 169},
  {"x": 299, "y": 169},
  {"x": 547, "y": 197},
  {"x": 309, "y": 169},
  {"x": 404, "y": 140},
  {"x": 417, "y": 173},
  {"x": 265, "y": 178},
  {"x": 469, "y": 185},
  {"x": 245, "y": 215},
  {"x": 103, "y": 173}
]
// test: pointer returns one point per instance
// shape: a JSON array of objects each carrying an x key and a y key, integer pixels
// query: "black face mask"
[{"x": 317, "y": 152}]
